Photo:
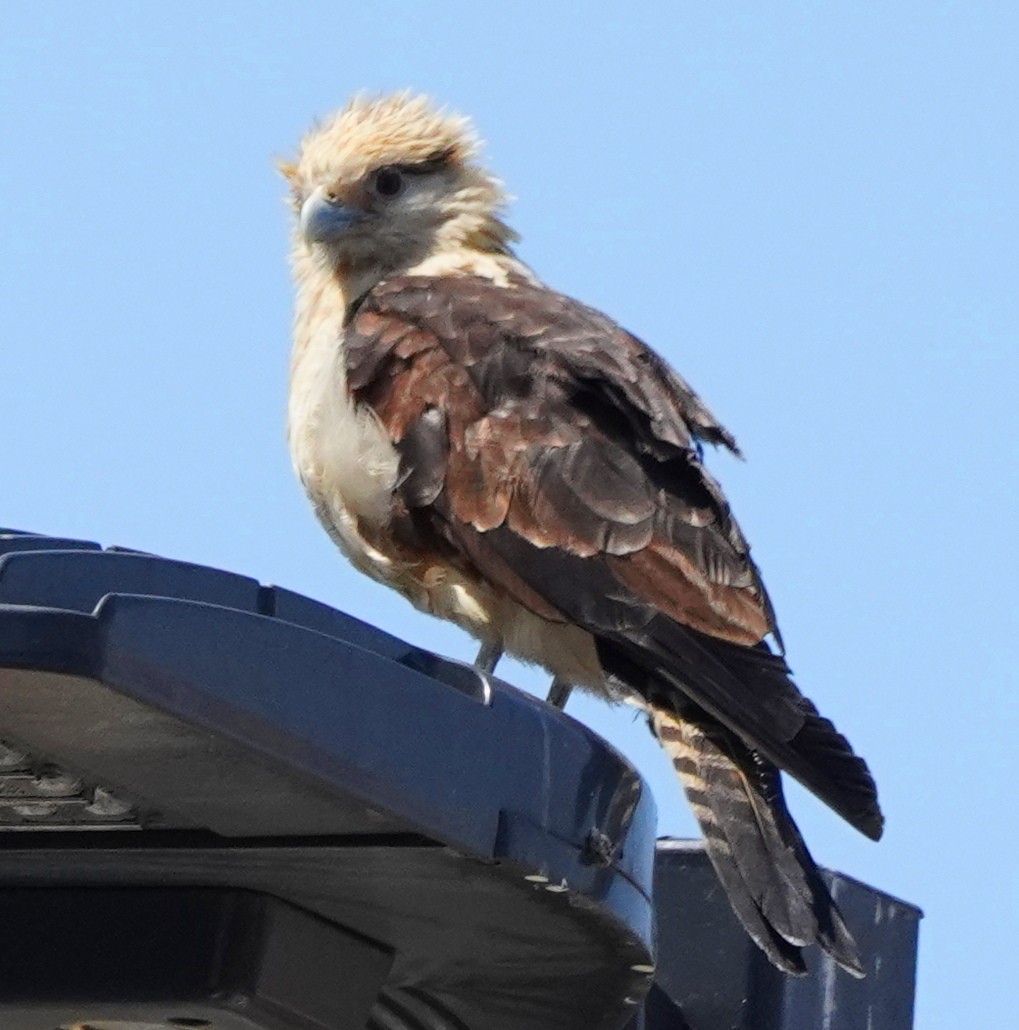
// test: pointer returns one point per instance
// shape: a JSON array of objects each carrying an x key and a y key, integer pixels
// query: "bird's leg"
[
  {"x": 488, "y": 657},
  {"x": 559, "y": 692}
]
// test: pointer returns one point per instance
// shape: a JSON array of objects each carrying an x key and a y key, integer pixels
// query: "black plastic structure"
[
  {"x": 226, "y": 806},
  {"x": 711, "y": 976}
]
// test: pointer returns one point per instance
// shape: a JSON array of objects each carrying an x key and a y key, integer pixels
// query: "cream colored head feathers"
[
  {"x": 374, "y": 131},
  {"x": 389, "y": 183}
]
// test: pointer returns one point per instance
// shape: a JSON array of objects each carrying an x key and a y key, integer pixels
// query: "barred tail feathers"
[{"x": 758, "y": 854}]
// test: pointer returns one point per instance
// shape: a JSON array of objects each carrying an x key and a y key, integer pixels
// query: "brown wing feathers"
[
  {"x": 533, "y": 441},
  {"x": 553, "y": 455}
]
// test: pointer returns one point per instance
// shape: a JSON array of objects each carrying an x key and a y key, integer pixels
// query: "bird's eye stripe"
[
  {"x": 437, "y": 161},
  {"x": 431, "y": 164}
]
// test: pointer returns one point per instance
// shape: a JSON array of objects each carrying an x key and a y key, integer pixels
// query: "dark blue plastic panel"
[
  {"x": 80, "y": 579},
  {"x": 367, "y": 728},
  {"x": 236, "y": 735},
  {"x": 32, "y": 573},
  {"x": 713, "y": 974},
  {"x": 12, "y": 542}
]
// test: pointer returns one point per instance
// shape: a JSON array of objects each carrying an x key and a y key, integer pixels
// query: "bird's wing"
[
  {"x": 534, "y": 413},
  {"x": 556, "y": 457}
]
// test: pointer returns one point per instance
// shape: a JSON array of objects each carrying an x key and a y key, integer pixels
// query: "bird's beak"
[{"x": 324, "y": 220}]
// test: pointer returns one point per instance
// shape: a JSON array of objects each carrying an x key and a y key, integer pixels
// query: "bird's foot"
[
  {"x": 559, "y": 692},
  {"x": 488, "y": 658}
]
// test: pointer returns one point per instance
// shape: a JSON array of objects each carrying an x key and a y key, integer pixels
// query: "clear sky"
[{"x": 810, "y": 208}]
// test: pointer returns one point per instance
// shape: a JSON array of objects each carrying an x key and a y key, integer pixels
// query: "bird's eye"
[{"x": 388, "y": 182}]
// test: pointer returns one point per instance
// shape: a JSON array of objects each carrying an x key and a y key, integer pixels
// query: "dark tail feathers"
[
  {"x": 758, "y": 854},
  {"x": 748, "y": 690}
]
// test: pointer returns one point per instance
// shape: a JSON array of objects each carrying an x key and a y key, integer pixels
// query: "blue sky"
[{"x": 809, "y": 208}]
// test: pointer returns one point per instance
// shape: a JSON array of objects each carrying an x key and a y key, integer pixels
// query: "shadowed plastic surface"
[{"x": 167, "y": 727}]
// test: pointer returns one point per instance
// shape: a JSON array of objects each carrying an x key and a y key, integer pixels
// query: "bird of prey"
[{"x": 514, "y": 461}]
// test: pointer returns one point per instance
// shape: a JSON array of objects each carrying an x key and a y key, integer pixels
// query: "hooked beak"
[{"x": 324, "y": 220}]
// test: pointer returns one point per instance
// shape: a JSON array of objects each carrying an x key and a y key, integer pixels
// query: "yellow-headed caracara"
[{"x": 514, "y": 461}]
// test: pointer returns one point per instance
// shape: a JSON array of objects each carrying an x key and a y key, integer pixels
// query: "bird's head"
[{"x": 388, "y": 182}]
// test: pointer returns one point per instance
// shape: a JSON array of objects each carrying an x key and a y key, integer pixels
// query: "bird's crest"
[{"x": 372, "y": 131}]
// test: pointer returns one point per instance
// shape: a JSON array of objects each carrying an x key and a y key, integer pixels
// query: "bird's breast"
[
  {"x": 341, "y": 453},
  {"x": 349, "y": 468}
]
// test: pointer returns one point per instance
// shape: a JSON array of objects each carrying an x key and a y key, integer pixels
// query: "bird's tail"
[{"x": 759, "y": 856}]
